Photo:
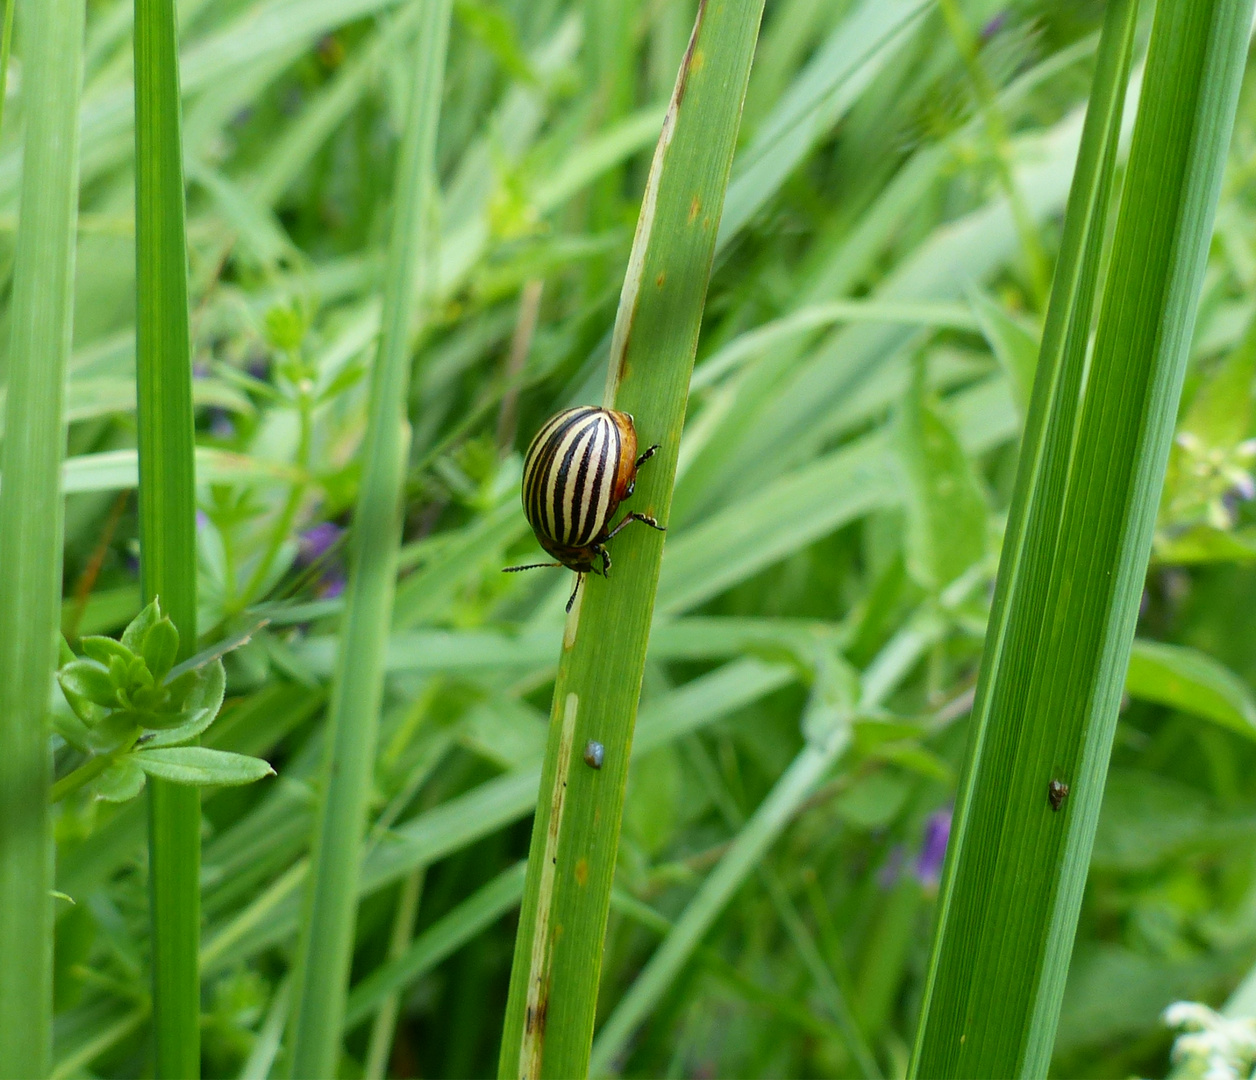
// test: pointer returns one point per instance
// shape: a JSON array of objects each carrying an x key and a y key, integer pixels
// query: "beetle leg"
[
  {"x": 606, "y": 559},
  {"x": 572, "y": 598},
  {"x": 647, "y": 455},
  {"x": 645, "y": 519},
  {"x": 628, "y": 518}
]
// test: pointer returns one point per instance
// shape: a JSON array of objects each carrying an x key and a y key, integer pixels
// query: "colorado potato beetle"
[{"x": 580, "y": 466}]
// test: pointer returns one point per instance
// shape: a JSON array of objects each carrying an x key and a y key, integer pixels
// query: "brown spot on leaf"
[
  {"x": 582, "y": 871},
  {"x": 695, "y": 208},
  {"x": 699, "y": 59},
  {"x": 542, "y": 1008},
  {"x": 623, "y": 356},
  {"x": 688, "y": 64},
  {"x": 660, "y": 279}
]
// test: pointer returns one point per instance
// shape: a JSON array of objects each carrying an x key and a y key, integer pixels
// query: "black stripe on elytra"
[
  {"x": 536, "y": 471},
  {"x": 595, "y": 519},
  {"x": 586, "y": 498},
  {"x": 562, "y": 526}
]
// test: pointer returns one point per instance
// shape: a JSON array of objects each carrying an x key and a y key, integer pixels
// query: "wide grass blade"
[
  {"x": 1077, "y": 545},
  {"x": 167, "y": 512},
  {"x": 575, "y": 836},
  {"x": 326, "y": 945},
  {"x": 31, "y": 524}
]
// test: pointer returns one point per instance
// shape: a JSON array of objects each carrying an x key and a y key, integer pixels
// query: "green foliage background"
[{"x": 851, "y": 443}]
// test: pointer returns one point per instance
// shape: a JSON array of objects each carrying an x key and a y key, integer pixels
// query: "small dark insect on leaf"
[
  {"x": 594, "y": 754},
  {"x": 1057, "y": 792}
]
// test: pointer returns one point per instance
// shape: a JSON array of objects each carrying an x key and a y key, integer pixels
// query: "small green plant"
[{"x": 133, "y": 712}]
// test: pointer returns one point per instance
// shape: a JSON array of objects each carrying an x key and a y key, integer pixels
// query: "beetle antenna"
[
  {"x": 530, "y": 566},
  {"x": 572, "y": 598}
]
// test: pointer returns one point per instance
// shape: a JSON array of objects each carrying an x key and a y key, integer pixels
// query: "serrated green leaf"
[
  {"x": 159, "y": 648},
  {"x": 87, "y": 681},
  {"x": 198, "y": 766},
  {"x": 208, "y": 689},
  {"x": 193, "y": 724},
  {"x": 105, "y": 649},
  {"x": 133, "y": 635},
  {"x": 115, "y": 729},
  {"x": 121, "y": 782}
]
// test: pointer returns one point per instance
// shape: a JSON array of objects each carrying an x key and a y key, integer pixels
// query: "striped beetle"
[{"x": 581, "y": 465}]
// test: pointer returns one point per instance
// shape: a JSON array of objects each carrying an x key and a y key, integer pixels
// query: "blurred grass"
[
  {"x": 789, "y": 531},
  {"x": 40, "y": 320},
  {"x": 325, "y": 950}
]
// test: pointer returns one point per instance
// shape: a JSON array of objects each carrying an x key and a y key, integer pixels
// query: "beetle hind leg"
[{"x": 572, "y": 598}]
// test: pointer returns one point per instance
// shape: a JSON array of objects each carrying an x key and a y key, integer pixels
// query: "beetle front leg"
[
  {"x": 598, "y": 549},
  {"x": 647, "y": 455}
]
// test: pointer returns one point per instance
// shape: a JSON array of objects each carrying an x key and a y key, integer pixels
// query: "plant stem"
[
  {"x": 575, "y": 836},
  {"x": 326, "y": 945},
  {"x": 167, "y": 512},
  {"x": 1078, "y": 538},
  {"x": 31, "y": 518}
]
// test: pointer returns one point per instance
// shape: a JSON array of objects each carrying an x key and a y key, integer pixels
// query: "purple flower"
[
  {"x": 994, "y": 26},
  {"x": 317, "y": 541},
  {"x": 332, "y": 584},
  {"x": 202, "y": 520},
  {"x": 933, "y": 850}
]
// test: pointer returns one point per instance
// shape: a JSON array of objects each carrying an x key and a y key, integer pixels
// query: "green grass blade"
[
  {"x": 1077, "y": 546},
  {"x": 745, "y": 854},
  {"x": 326, "y": 946},
  {"x": 576, "y": 831},
  {"x": 167, "y": 512},
  {"x": 31, "y": 525}
]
